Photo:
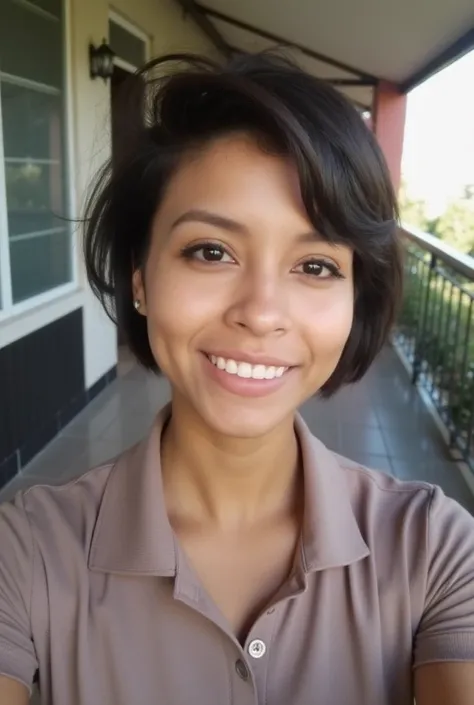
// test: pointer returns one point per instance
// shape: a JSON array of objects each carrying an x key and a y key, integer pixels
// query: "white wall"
[
  {"x": 163, "y": 22},
  {"x": 91, "y": 144}
]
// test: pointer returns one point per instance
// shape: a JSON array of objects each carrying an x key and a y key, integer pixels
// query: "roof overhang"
[{"x": 353, "y": 45}]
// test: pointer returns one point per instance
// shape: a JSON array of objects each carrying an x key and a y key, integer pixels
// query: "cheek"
[
  {"x": 329, "y": 317},
  {"x": 179, "y": 305}
]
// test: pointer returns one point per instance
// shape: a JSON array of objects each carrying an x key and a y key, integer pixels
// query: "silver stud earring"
[{"x": 137, "y": 304}]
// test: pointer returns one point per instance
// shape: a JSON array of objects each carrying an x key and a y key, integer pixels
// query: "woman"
[{"x": 247, "y": 242}]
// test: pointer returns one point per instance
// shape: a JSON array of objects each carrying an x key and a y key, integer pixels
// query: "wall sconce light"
[{"x": 101, "y": 61}]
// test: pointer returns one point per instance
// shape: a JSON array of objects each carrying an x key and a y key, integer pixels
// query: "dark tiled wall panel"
[{"x": 41, "y": 379}]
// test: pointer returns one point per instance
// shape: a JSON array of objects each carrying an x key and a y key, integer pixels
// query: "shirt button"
[
  {"x": 242, "y": 670},
  {"x": 257, "y": 648}
]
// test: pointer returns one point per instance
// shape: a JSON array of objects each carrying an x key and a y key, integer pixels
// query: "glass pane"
[
  {"x": 31, "y": 122},
  {"x": 32, "y": 103},
  {"x": 126, "y": 45},
  {"x": 30, "y": 44},
  {"x": 35, "y": 197},
  {"x": 52, "y": 6},
  {"x": 39, "y": 264}
]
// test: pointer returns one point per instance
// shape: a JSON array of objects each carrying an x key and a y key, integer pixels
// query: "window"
[
  {"x": 35, "y": 235},
  {"x": 127, "y": 45},
  {"x": 130, "y": 44}
]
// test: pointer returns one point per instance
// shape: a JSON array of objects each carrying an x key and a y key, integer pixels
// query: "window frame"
[
  {"x": 10, "y": 310},
  {"x": 131, "y": 28}
]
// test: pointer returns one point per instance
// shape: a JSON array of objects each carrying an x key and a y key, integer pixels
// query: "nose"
[{"x": 260, "y": 305}]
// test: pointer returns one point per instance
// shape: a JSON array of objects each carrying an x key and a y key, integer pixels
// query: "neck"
[{"x": 228, "y": 482}]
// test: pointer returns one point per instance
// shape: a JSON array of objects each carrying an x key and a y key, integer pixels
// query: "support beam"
[
  {"x": 204, "y": 23},
  {"x": 351, "y": 81},
  {"x": 448, "y": 56},
  {"x": 388, "y": 124},
  {"x": 283, "y": 42}
]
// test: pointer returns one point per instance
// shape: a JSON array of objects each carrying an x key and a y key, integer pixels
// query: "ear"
[{"x": 138, "y": 289}]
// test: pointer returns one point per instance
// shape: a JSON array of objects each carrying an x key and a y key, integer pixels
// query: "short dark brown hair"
[{"x": 345, "y": 184}]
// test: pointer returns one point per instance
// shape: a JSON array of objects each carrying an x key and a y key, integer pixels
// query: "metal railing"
[{"x": 435, "y": 332}]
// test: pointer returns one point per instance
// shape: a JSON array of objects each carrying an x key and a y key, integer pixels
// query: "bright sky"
[{"x": 438, "y": 154}]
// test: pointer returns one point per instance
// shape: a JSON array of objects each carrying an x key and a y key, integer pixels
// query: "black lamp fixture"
[{"x": 101, "y": 61}]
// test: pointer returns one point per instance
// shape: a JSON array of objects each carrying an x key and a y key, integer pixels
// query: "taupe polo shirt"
[{"x": 96, "y": 593}]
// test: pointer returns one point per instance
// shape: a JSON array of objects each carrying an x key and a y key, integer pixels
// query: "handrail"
[{"x": 459, "y": 262}]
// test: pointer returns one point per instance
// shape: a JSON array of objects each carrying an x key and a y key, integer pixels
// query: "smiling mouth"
[{"x": 245, "y": 369}]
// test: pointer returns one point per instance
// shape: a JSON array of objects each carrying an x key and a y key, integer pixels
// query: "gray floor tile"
[
  {"x": 350, "y": 411},
  {"x": 95, "y": 454},
  {"x": 93, "y": 421},
  {"x": 437, "y": 472},
  {"x": 327, "y": 434},
  {"x": 324, "y": 426},
  {"x": 342, "y": 408},
  {"x": 411, "y": 413},
  {"x": 361, "y": 439},
  {"x": 128, "y": 429},
  {"x": 60, "y": 455},
  {"x": 408, "y": 443}
]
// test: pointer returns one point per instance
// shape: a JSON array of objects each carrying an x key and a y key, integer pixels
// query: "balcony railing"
[{"x": 435, "y": 333}]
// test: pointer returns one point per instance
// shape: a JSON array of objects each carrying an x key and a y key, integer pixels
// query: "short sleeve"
[
  {"x": 17, "y": 652},
  {"x": 446, "y": 630}
]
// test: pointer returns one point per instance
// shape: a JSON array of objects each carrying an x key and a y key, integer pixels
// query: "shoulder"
[
  {"x": 421, "y": 502},
  {"x": 373, "y": 486},
  {"x": 417, "y": 497},
  {"x": 53, "y": 515},
  {"x": 412, "y": 517}
]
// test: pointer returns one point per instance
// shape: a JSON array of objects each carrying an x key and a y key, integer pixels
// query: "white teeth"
[
  {"x": 231, "y": 367},
  {"x": 259, "y": 372},
  {"x": 246, "y": 370}
]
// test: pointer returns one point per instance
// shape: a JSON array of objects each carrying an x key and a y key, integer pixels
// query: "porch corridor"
[{"x": 380, "y": 422}]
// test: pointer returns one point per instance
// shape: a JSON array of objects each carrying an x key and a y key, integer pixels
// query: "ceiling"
[{"x": 355, "y": 43}]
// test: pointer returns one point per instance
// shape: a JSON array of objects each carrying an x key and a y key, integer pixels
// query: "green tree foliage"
[
  {"x": 412, "y": 211},
  {"x": 455, "y": 226}
]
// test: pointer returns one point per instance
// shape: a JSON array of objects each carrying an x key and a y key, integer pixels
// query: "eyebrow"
[
  {"x": 233, "y": 226},
  {"x": 217, "y": 221}
]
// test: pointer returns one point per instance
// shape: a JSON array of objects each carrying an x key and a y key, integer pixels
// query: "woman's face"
[{"x": 248, "y": 309}]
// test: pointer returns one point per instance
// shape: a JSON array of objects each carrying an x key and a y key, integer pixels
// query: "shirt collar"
[
  {"x": 133, "y": 533},
  {"x": 331, "y": 536}
]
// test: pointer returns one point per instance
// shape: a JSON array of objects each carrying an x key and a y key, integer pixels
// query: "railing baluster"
[
  {"x": 451, "y": 387},
  {"x": 464, "y": 387},
  {"x": 435, "y": 332},
  {"x": 420, "y": 338},
  {"x": 441, "y": 332}
]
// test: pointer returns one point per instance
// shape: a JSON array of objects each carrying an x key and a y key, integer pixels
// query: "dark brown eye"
[
  {"x": 320, "y": 269},
  {"x": 314, "y": 268},
  {"x": 207, "y": 253},
  {"x": 210, "y": 253}
]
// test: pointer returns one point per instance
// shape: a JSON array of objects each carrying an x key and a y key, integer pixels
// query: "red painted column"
[{"x": 388, "y": 116}]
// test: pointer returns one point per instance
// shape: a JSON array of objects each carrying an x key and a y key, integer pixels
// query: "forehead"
[{"x": 236, "y": 174}]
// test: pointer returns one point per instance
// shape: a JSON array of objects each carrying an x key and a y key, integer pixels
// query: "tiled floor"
[{"x": 380, "y": 422}]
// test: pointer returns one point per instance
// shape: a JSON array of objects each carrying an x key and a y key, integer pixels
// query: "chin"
[{"x": 246, "y": 420}]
